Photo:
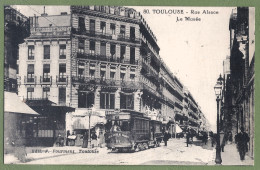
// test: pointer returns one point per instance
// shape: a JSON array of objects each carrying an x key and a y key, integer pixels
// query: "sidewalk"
[{"x": 230, "y": 156}]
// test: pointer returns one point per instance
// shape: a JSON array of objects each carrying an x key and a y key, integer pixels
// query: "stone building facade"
[
  {"x": 98, "y": 60},
  {"x": 238, "y": 101},
  {"x": 15, "y": 30}
]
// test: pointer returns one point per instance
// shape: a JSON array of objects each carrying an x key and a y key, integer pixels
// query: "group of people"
[
  {"x": 71, "y": 139},
  {"x": 241, "y": 140}
]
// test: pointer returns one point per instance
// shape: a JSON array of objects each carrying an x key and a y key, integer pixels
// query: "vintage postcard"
[{"x": 129, "y": 85}]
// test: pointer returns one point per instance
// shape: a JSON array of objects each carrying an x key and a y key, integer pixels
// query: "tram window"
[{"x": 125, "y": 126}]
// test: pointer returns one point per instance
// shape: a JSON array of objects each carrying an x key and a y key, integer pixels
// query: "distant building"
[{"x": 15, "y": 30}]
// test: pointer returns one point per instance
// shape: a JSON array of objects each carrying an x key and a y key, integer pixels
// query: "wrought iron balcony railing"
[
  {"x": 62, "y": 79},
  {"x": 104, "y": 35},
  {"x": 30, "y": 80},
  {"x": 105, "y": 58},
  {"x": 46, "y": 79},
  {"x": 106, "y": 82}
]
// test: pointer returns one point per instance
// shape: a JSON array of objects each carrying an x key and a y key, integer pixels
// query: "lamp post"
[
  {"x": 89, "y": 114},
  {"x": 218, "y": 92}
]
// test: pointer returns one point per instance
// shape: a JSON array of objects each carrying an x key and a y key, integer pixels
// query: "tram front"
[{"x": 118, "y": 132}]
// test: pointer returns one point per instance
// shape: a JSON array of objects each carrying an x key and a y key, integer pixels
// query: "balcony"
[
  {"x": 105, "y": 58},
  {"x": 46, "y": 80},
  {"x": 130, "y": 84},
  {"x": 106, "y": 82},
  {"x": 50, "y": 31},
  {"x": 150, "y": 89},
  {"x": 62, "y": 80},
  {"x": 150, "y": 72},
  {"x": 104, "y": 35},
  {"x": 30, "y": 80}
]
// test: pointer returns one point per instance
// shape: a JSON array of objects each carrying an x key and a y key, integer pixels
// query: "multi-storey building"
[
  {"x": 239, "y": 84},
  {"x": 193, "y": 112},
  {"x": 16, "y": 29},
  {"x": 98, "y": 60},
  {"x": 44, "y": 70}
]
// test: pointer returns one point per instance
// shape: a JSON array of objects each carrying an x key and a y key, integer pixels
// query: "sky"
[{"x": 193, "y": 50}]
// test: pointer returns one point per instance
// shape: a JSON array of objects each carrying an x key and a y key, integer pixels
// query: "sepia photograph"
[{"x": 129, "y": 85}]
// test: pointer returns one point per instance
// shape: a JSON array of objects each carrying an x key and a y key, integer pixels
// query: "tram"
[{"x": 132, "y": 131}]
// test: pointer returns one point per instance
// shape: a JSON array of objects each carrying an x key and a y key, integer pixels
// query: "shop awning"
[
  {"x": 80, "y": 119},
  {"x": 13, "y": 104},
  {"x": 178, "y": 129}
]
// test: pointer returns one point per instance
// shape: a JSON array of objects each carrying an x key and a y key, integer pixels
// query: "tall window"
[
  {"x": 103, "y": 48},
  {"x": 62, "y": 96},
  {"x": 132, "y": 77},
  {"x": 103, "y": 27},
  {"x": 92, "y": 47},
  {"x": 46, "y": 73},
  {"x": 92, "y": 26},
  {"x": 46, "y": 52},
  {"x": 45, "y": 92},
  {"x": 126, "y": 101},
  {"x": 85, "y": 99},
  {"x": 122, "y": 53},
  {"x": 81, "y": 46},
  {"x": 30, "y": 92},
  {"x": 102, "y": 75},
  {"x": 113, "y": 51},
  {"x": 112, "y": 75},
  {"x": 63, "y": 51},
  {"x": 62, "y": 73},
  {"x": 113, "y": 28},
  {"x": 122, "y": 31},
  {"x": 81, "y": 70},
  {"x": 122, "y": 76},
  {"x": 92, "y": 73},
  {"x": 132, "y": 33},
  {"x": 30, "y": 52},
  {"x": 107, "y": 101},
  {"x": 132, "y": 55},
  {"x": 82, "y": 24},
  {"x": 30, "y": 73}
]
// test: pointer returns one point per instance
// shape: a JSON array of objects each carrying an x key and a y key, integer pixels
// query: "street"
[{"x": 176, "y": 153}]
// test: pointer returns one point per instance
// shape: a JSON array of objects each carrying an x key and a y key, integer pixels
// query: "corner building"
[{"x": 98, "y": 60}]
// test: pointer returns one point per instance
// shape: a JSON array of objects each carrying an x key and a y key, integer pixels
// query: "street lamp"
[
  {"x": 89, "y": 114},
  {"x": 218, "y": 92}
]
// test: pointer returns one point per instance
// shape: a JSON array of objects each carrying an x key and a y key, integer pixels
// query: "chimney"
[{"x": 44, "y": 13}]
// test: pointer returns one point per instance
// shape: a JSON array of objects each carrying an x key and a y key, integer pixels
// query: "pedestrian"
[
  {"x": 212, "y": 139},
  {"x": 59, "y": 140},
  {"x": 230, "y": 137},
  {"x": 94, "y": 139},
  {"x": 205, "y": 138},
  {"x": 101, "y": 139},
  {"x": 20, "y": 151},
  {"x": 85, "y": 140},
  {"x": 241, "y": 140},
  {"x": 188, "y": 137},
  {"x": 67, "y": 140},
  {"x": 223, "y": 142},
  {"x": 166, "y": 137}
]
